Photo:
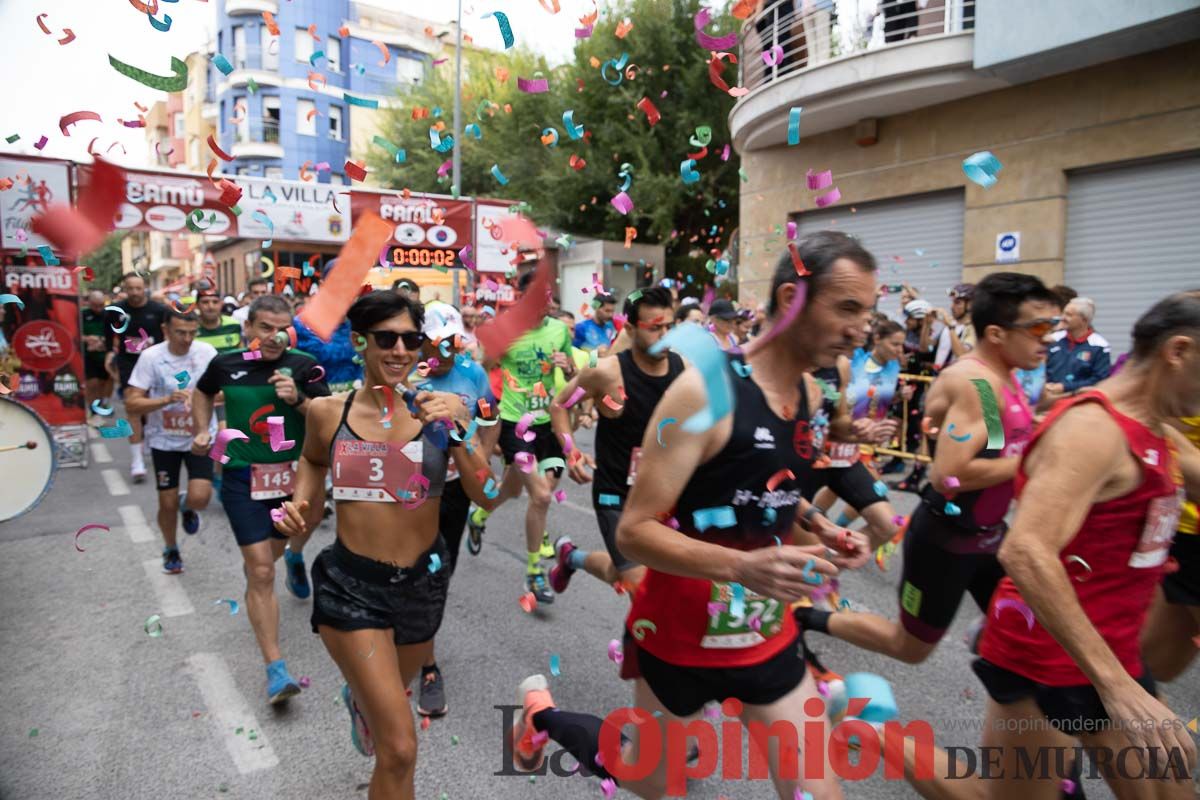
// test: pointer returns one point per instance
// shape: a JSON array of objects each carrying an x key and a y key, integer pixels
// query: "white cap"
[
  {"x": 917, "y": 309},
  {"x": 442, "y": 321}
]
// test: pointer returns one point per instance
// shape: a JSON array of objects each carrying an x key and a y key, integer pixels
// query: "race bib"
[
  {"x": 375, "y": 472},
  {"x": 758, "y": 619},
  {"x": 1162, "y": 520},
  {"x": 272, "y": 481},
  {"x": 842, "y": 454},
  {"x": 177, "y": 422},
  {"x": 538, "y": 403},
  {"x": 635, "y": 458}
]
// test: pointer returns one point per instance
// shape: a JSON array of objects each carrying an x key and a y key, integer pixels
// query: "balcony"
[
  {"x": 266, "y": 147},
  {"x": 892, "y": 57},
  {"x": 255, "y": 7}
]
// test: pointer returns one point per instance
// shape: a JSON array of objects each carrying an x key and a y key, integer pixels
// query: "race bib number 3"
[
  {"x": 272, "y": 481},
  {"x": 757, "y": 620},
  {"x": 374, "y": 472},
  {"x": 1162, "y": 518}
]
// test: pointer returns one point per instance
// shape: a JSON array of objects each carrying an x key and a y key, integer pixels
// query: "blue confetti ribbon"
[
  {"x": 793, "y": 130},
  {"x": 505, "y": 29},
  {"x": 696, "y": 345}
]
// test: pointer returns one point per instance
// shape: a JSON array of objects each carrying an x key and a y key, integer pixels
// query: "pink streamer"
[
  {"x": 819, "y": 180},
  {"x": 468, "y": 263},
  {"x": 786, "y": 320},
  {"x": 1018, "y": 606},
  {"x": 575, "y": 397},
  {"x": 523, "y": 427},
  {"x": 622, "y": 202},
  {"x": 583, "y": 33},
  {"x": 712, "y": 42},
  {"x": 725, "y": 153},
  {"x": 217, "y": 453},
  {"x": 275, "y": 431},
  {"x": 533, "y": 85},
  {"x": 828, "y": 199},
  {"x": 772, "y": 56},
  {"x": 791, "y": 231}
]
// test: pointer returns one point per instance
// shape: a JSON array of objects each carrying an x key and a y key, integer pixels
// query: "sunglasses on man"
[
  {"x": 1038, "y": 328},
  {"x": 387, "y": 339}
]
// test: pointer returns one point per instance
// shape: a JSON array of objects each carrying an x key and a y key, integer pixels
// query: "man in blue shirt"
[
  {"x": 597, "y": 333},
  {"x": 455, "y": 372},
  {"x": 1079, "y": 357}
]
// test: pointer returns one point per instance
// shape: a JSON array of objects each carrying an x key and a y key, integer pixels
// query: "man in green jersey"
[
  {"x": 267, "y": 391},
  {"x": 223, "y": 332},
  {"x": 526, "y": 438}
]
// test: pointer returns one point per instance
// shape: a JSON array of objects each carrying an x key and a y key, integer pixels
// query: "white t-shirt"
[
  {"x": 945, "y": 351},
  {"x": 170, "y": 428},
  {"x": 241, "y": 314}
]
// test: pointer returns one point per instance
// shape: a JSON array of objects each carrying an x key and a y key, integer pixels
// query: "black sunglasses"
[{"x": 387, "y": 339}]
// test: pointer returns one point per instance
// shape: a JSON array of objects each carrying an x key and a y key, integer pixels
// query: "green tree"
[
  {"x": 665, "y": 64},
  {"x": 105, "y": 262}
]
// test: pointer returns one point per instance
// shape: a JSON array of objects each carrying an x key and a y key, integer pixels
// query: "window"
[
  {"x": 306, "y": 122},
  {"x": 270, "y": 48},
  {"x": 335, "y": 122},
  {"x": 242, "y": 171},
  {"x": 333, "y": 54},
  {"x": 409, "y": 71},
  {"x": 239, "y": 47},
  {"x": 270, "y": 119},
  {"x": 302, "y": 45},
  {"x": 275, "y": 173},
  {"x": 177, "y": 126},
  {"x": 194, "y": 153}
]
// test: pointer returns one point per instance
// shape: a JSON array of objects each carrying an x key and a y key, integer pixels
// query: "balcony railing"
[{"x": 797, "y": 35}]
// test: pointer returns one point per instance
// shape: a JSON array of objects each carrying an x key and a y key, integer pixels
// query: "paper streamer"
[
  {"x": 497, "y": 334},
  {"x": 275, "y": 431},
  {"x": 505, "y": 29},
  {"x": 551, "y": 463},
  {"x": 695, "y": 344},
  {"x": 222, "y": 63},
  {"x": 772, "y": 56},
  {"x": 622, "y": 202},
  {"x": 717, "y": 517},
  {"x": 991, "y": 414},
  {"x": 687, "y": 171},
  {"x": 100, "y": 409},
  {"x": 661, "y": 425},
  {"x": 359, "y": 101},
  {"x": 224, "y": 437},
  {"x": 118, "y": 310},
  {"x": 94, "y": 526},
  {"x": 498, "y": 175},
  {"x": 819, "y": 180},
  {"x": 118, "y": 431},
  {"x": 981, "y": 168},
  {"x": 652, "y": 113},
  {"x": 712, "y": 42},
  {"x": 78, "y": 230},
  {"x": 1018, "y": 606},
  {"x": 167, "y": 83},
  {"x": 326, "y": 310},
  {"x": 778, "y": 478},
  {"x": 789, "y": 316},
  {"x": 12, "y": 298},
  {"x": 828, "y": 199},
  {"x": 533, "y": 85},
  {"x": 573, "y": 130},
  {"x": 575, "y": 397},
  {"x": 737, "y": 604},
  {"x": 793, "y": 129}
]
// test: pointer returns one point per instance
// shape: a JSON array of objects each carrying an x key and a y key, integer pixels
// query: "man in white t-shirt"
[
  {"x": 958, "y": 335},
  {"x": 160, "y": 388}
]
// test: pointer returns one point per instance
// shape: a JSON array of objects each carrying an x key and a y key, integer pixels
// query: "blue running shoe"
[
  {"x": 280, "y": 685},
  {"x": 191, "y": 521},
  {"x": 297, "y": 575},
  {"x": 172, "y": 562},
  {"x": 360, "y": 734}
]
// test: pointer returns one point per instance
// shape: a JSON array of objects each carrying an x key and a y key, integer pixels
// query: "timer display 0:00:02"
[{"x": 422, "y": 257}]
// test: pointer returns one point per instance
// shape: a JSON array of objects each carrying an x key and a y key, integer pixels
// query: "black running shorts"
[
  {"x": 1183, "y": 587},
  {"x": 854, "y": 484},
  {"x": 544, "y": 445},
  {"x": 167, "y": 465},
  {"x": 353, "y": 592}
]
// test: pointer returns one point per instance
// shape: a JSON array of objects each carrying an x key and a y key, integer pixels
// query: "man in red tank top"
[{"x": 1100, "y": 488}]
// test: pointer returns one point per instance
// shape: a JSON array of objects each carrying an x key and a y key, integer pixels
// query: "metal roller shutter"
[
  {"x": 916, "y": 240},
  {"x": 1133, "y": 235}
]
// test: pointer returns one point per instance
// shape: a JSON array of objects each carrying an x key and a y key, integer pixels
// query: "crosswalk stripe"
[
  {"x": 135, "y": 524},
  {"x": 230, "y": 714},
  {"x": 172, "y": 599},
  {"x": 116, "y": 484},
  {"x": 100, "y": 453}
]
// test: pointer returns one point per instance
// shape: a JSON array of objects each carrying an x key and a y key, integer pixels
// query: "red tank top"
[{"x": 1125, "y": 541}]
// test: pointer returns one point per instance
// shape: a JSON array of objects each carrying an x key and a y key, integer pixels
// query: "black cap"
[{"x": 722, "y": 309}]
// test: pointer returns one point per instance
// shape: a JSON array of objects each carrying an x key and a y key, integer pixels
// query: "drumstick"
[{"x": 30, "y": 445}]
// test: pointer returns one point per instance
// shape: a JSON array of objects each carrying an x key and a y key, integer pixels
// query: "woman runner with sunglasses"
[
  {"x": 953, "y": 536},
  {"x": 380, "y": 589}
]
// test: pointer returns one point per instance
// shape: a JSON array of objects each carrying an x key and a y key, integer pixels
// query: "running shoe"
[
  {"x": 547, "y": 550},
  {"x": 432, "y": 702},
  {"x": 476, "y": 525},
  {"x": 280, "y": 684},
  {"x": 297, "y": 575},
  {"x": 137, "y": 474},
  {"x": 527, "y": 745},
  {"x": 172, "y": 562},
  {"x": 535, "y": 584},
  {"x": 561, "y": 572},
  {"x": 191, "y": 521},
  {"x": 360, "y": 734}
]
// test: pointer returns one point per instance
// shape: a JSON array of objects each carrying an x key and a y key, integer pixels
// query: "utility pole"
[{"x": 456, "y": 185}]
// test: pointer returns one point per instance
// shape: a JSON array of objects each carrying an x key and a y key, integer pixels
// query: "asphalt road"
[{"x": 93, "y": 707}]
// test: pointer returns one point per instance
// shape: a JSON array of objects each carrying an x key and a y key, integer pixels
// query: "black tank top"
[
  {"x": 833, "y": 377},
  {"x": 760, "y": 445},
  {"x": 616, "y": 438}
]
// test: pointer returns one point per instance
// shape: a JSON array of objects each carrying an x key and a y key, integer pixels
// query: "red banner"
[
  {"x": 45, "y": 359},
  {"x": 428, "y": 231}
]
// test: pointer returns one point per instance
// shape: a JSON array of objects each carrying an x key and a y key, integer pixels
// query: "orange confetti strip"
[
  {"x": 272, "y": 26},
  {"x": 340, "y": 288},
  {"x": 623, "y": 28},
  {"x": 383, "y": 50},
  {"x": 313, "y": 77},
  {"x": 501, "y": 74}
]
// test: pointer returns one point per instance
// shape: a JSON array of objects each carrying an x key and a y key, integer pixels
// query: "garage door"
[
  {"x": 916, "y": 240},
  {"x": 1133, "y": 235}
]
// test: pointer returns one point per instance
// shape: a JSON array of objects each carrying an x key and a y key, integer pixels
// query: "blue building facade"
[{"x": 283, "y": 103}]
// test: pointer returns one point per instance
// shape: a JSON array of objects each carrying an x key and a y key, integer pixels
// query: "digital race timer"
[{"x": 422, "y": 257}]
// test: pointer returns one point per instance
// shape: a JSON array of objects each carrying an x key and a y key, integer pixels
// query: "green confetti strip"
[
  {"x": 991, "y": 414},
  {"x": 166, "y": 83}
]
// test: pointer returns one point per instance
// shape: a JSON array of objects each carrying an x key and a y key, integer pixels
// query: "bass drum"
[{"x": 27, "y": 459}]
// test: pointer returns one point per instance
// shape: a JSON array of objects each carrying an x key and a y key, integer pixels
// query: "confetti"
[
  {"x": 435, "y": 563},
  {"x": 166, "y": 83},
  {"x": 117, "y": 431},
  {"x": 952, "y": 510},
  {"x": 224, "y": 437},
  {"x": 778, "y": 478},
  {"x": 687, "y": 171},
  {"x": 233, "y": 605},
  {"x": 695, "y": 344},
  {"x": 661, "y": 425},
  {"x": 222, "y": 63},
  {"x": 622, "y": 203},
  {"x": 712, "y": 42},
  {"x": 573, "y": 130},
  {"x": 717, "y": 517},
  {"x": 326, "y": 310},
  {"x": 610, "y": 500},
  {"x": 12, "y": 298},
  {"x": 276, "y": 434},
  {"x": 793, "y": 128},
  {"x": 555, "y": 665},
  {"x": 991, "y": 414},
  {"x": 772, "y": 56},
  {"x": 498, "y": 175},
  {"x": 527, "y": 602},
  {"x": 652, "y": 114},
  {"x": 89, "y": 527},
  {"x": 67, "y": 120},
  {"x": 828, "y": 199},
  {"x": 153, "y": 626},
  {"x": 99, "y": 408},
  {"x": 639, "y": 628},
  {"x": 1018, "y": 606},
  {"x": 981, "y": 168},
  {"x": 359, "y": 101},
  {"x": 819, "y": 180}
]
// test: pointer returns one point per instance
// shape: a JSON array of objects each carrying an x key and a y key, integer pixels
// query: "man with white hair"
[{"x": 1079, "y": 357}]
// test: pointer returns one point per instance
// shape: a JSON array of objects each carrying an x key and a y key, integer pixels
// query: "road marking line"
[
  {"x": 100, "y": 453},
  {"x": 230, "y": 712},
  {"x": 116, "y": 485},
  {"x": 92, "y": 433},
  {"x": 172, "y": 599},
  {"x": 576, "y": 507},
  {"x": 135, "y": 524}
]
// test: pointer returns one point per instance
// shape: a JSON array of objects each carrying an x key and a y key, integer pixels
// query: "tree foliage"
[
  {"x": 105, "y": 262},
  {"x": 671, "y": 71}
]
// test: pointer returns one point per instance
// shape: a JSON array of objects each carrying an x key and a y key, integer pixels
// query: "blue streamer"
[
  {"x": 695, "y": 344},
  {"x": 498, "y": 175},
  {"x": 794, "y": 125},
  {"x": 573, "y": 130},
  {"x": 717, "y": 517},
  {"x": 505, "y": 29}
]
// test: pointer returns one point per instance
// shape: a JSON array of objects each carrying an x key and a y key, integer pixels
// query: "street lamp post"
[{"x": 456, "y": 186}]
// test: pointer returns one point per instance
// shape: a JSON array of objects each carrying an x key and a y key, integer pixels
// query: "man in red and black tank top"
[
  {"x": 712, "y": 518},
  {"x": 1100, "y": 487},
  {"x": 983, "y": 423}
]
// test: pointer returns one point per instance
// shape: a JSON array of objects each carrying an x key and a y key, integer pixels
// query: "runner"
[
  {"x": 222, "y": 332},
  {"x": 864, "y": 390},
  {"x": 952, "y": 539},
  {"x": 256, "y": 288},
  {"x": 689, "y": 640},
  {"x": 138, "y": 313},
  {"x": 278, "y": 384},
  {"x": 958, "y": 334},
  {"x": 450, "y": 371},
  {"x": 525, "y": 428},
  {"x": 722, "y": 321},
  {"x": 160, "y": 389},
  {"x": 1171, "y": 635},
  {"x": 598, "y": 332},
  {"x": 689, "y": 312},
  {"x": 380, "y": 588},
  {"x": 96, "y": 346},
  {"x": 625, "y": 389},
  {"x": 1100, "y": 487}
]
